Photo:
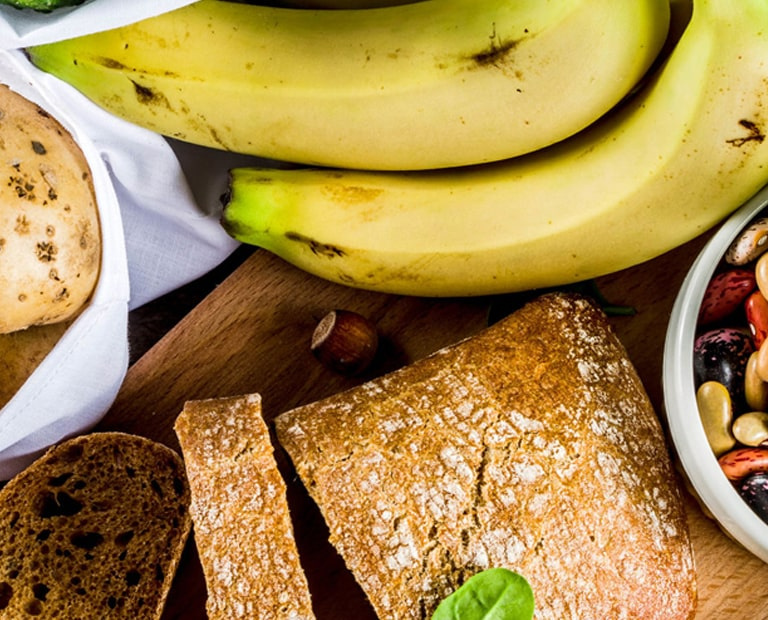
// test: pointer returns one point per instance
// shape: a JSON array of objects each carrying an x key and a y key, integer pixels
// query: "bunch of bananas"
[
  {"x": 424, "y": 85},
  {"x": 454, "y": 147}
]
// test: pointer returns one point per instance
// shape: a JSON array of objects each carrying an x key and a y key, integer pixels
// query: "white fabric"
[
  {"x": 159, "y": 233},
  {"x": 23, "y": 27}
]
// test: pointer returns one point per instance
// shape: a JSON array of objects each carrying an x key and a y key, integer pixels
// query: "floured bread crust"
[
  {"x": 531, "y": 446},
  {"x": 243, "y": 530},
  {"x": 50, "y": 237}
]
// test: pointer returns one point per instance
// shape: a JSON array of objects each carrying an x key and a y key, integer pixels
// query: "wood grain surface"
[{"x": 251, "y": 334}]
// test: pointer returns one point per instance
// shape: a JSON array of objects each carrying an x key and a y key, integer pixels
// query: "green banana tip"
[{"x": 232, "y": 227}]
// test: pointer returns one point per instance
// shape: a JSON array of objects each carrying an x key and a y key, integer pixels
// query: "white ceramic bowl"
[{"x": 714, "y": 491}]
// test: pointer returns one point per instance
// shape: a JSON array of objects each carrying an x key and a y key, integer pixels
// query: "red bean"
[
  {"x": 756, "y": 309},
  {"x": 725, "y": 294},
  {"x": 741, "y": 462}
]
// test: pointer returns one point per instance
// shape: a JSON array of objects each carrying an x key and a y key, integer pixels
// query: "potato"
[{"x": 50, "y": 237}]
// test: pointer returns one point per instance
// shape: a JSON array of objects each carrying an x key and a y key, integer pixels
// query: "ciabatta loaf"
[
  {"x": 93, "y": 529},
  {"x": 243, "y": 530},
  {"x": 531, "y": 446}
]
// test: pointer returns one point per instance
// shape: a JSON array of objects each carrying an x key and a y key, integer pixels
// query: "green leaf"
[
  {"x": 493, "y": 594},
  {"x": 503, "y": 305}
]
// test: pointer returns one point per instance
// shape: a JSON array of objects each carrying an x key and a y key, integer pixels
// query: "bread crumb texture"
[
  {"x": 93, "y": 529},
  {"x": 243, "y": 530},
  {"x": 531, "y": 446}
]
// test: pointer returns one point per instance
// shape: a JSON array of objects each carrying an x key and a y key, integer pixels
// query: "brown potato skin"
[{"x": 50, "y": 236}]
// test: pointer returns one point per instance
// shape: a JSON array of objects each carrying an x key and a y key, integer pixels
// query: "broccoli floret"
[{"x": 43, "y": 6}]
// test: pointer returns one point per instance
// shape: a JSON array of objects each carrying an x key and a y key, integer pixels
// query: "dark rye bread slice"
[
  {"x": 531, "y": 446},
  {"x": 93, "y": 529},
  {"x": 243, "y": 529}
]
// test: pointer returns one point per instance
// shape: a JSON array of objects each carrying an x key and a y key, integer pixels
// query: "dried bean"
[
  {"x": 731, "y": 365},
  {"x": 751, "y": 429},
  {"x": 756, "y": 311},
  {"x": 721, "y": 354},
  {"x": 725, "y": 294},
  {"x": 742, "y": 462},
  {"x": 750, "y": 244},
  {"x": 761, "y": 274},
  {"x": 754, "y": 491},
  {"x": 761, "y": 362},
  {"x": 716, "y": 413},
  {"x": 755, "y": 388}
]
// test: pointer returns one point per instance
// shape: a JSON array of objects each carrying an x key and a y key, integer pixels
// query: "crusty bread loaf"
[
  {"x": 22, "y": 351},
  {"x": 242, "y": 525},
  {"x": 50, "y": 235},
  {"x": 93, "y": 529},
  {"x": 531, "y": 446}
]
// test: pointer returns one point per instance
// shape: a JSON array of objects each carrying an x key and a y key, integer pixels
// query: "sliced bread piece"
[
  {"x": 531, "y": 446},
  {"x": 242, "y": 525},
  {"x": 93, "y": 529}
]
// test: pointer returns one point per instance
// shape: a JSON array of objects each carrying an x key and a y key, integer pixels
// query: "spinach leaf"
[{"x": 493, "y": 594}]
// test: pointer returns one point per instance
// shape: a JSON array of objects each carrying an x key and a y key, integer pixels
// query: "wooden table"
[{"x": 251, "y": 334}]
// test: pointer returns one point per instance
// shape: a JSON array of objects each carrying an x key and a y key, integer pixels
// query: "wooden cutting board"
[{"x": 251, "y": 334}]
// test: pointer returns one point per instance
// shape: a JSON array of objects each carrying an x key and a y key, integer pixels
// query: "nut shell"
[{"x": 345, "y": 341}]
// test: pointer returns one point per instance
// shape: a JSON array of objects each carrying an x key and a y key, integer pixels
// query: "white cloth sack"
[
  {"x": 23, "y": 27},
  {"x": 158, "y": 234}
]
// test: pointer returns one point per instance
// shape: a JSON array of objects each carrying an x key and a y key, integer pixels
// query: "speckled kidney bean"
[
  {"x": 725, "y": 293},
  {"x": 721, "y": 354},
  {"x": 750, "y": 244},
  {"x": 731, "y": 354},
  {"x": 754, "y": 491},
  {"x": 741, "y": 462}
]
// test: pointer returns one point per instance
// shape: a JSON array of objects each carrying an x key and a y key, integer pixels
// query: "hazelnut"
[{"x": 345, "y": 341}]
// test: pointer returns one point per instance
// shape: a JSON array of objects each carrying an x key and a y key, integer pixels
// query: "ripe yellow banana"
[
  {"x": 342, "y": 4},
  {"x": 671, "y": 162},
  {"x": 429, "y": 84}
]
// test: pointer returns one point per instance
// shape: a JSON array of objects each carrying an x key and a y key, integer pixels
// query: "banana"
[
  {"x": 430, "y": 84},
  {"x": 666, "y": 165},
  {"x": 342, "y": 4}
]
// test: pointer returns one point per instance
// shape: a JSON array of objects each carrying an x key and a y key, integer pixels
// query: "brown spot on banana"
[
  {"x": 496, "y": 51},
  {"x": 109, "y": 63},
  {"x": 353, "y": 194},
  {"x": 754, "y": 134},
  {"x": 215, "y": 137},
  {"x": 147, "y": 96},
  {"x": 316, "y": 247}
]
